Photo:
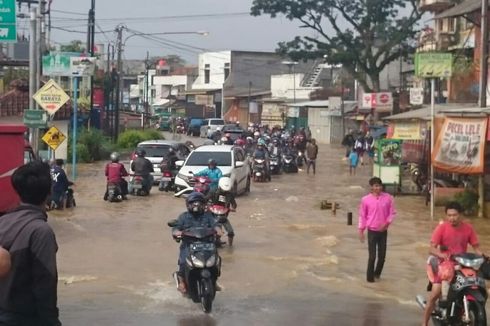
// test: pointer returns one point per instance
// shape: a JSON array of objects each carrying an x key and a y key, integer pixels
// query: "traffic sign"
[
  {"x": 53, "y": 137},
  {"x": 35, "y": 118},
  {"x": 51, "y": 97},
  {"x": 8, "y": 21},
  {"x": 433, "y": 64}
]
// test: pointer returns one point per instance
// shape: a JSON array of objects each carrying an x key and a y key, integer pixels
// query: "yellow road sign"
[
  {"x": 53, "y": 137},
  {"x": 51, "y": 97}
]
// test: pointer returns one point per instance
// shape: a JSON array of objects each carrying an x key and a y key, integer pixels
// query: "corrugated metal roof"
[
  {"x": 440, "y": 109},
  {"x": 461, "y": 9}
]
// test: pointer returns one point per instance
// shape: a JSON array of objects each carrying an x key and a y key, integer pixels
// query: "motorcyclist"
[
  {"x": 143, "y": 167},
  {"x": 115, "y": 173},
  {"x": 60, "y": 184},
  {"x": 449, "y": 238},
  {"x": 275, "y": 148},
  {"x": 224, "y": 196},
  {"x": 196, "y": 216},
  {"x": 228, "y": 140},
  {"x": 213, "y": 173},
  {"x": 170, "y": 158},
  {"x": 262, "y": 154}
]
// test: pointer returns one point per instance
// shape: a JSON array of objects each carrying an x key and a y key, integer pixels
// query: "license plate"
[
  {"x": 166, "y": 179},
  {"x": 137, "y": 186},
  {"x": 202, "y": 246}
]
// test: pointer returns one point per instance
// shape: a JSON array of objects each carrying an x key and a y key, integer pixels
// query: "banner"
[
  {"x": 460, "y": 146},
  {"x": 433, "y": 64},
  {"x": 416, "y": 96},
  {"x": 381, "y": 102},
  {"x": 405, "y": 130}
]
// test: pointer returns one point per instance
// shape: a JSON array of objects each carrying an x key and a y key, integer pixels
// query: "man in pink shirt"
[
  {"x": 376, "y": 213},
  {"x": 449, "y": 238}
]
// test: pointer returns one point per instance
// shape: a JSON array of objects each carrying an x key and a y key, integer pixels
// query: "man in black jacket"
[{"x": 28, "y": 294}]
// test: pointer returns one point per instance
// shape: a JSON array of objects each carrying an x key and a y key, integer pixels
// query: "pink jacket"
[{"x": 375, "y": 211}]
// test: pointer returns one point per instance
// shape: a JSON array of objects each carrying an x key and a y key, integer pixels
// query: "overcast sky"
[{"x": 231, "y": 32}]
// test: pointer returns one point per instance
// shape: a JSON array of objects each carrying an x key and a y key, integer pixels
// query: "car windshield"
[
  {"x": 202, "y": 158},
  {"x": 155, "y": 150},
  {"x": 217, "y": 122}
]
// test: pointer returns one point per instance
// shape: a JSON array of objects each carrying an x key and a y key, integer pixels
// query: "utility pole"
[
  {"x": 119, "y": 88},
  {"x": 108, "y": 75},
  {"x": 90, "y": 47},
  {"x": 147, "y": 91},
  {"x": 34, "y": 132},
  {"x": 482, "y": 98}
]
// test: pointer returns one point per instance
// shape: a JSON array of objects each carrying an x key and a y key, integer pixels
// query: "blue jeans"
[{"x": 183, "y": 253}]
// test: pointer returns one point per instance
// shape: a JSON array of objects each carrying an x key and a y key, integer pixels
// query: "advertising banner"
[
  {"x": 416, "y": 96},
  {"x": 433, "y": 64},
  {"x": 389, "y": 152},
  {"x": 381, "y": 102},
  {"x": 460, "y": 146},
  {"x": 405, "y": 130}
]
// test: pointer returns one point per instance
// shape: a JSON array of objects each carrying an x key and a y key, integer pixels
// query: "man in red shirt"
[
  {"x": 449, "y": 238},
  {"x": 115, "y": 173}
]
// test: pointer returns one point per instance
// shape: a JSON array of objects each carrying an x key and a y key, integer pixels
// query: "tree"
[
  {"x": 366, "y": 35},
  {"x": 73, "y": 46}
]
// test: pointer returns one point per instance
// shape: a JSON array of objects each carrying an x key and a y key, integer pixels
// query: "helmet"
[
  {"x": 140, "y": 152},
  {"x": 224, "y": 184},
  {"x": 224, "y": 139},
  {"x": 250, "y": 140},
  {"x": 240, "y": 142},
  {"x": 212, "y": 161},
  {"x": 227, "y": 135},
  {"x": 261, "y": 142},
  {"x": 115, "y": 157},
  {"x": 195, "y": 202},
  {"x": 256, "y": 134},
  {"x": 275, "y": 141}
]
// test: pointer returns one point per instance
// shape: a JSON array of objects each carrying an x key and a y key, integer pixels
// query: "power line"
[{"x": 69, "y": 12}]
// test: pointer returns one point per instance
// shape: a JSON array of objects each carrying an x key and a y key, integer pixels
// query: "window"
[
  {"x": 217, "y": 122},
  {"x": 450, "y": 25},
  {"x": 191, "y": 98},
  {"x": 207, "y": 73},
  {"x": 227, "y": 70},
  {"x": 155, "y": 150},
  {"x": 202, "y": 158}
]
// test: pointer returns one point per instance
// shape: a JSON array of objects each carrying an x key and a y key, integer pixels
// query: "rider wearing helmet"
[
  {"x": 262, "y": 154},
  {"x": 228, "y": 140},
  {"x": 171, "y": 158},
  {"x": 195, "y": 216},
  {"x": 225, "y": 196},
  {"x": 213, "y": 173},
  {"x": 143, "y": 167},
  {"x": 115, "y": 173}
]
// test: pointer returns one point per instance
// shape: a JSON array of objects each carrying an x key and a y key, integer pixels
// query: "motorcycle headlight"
[
  {"x": 197, "y": 262},
  {"x": 211, "y": 261}
]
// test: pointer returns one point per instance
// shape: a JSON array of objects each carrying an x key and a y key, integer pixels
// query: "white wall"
[
  {"x": 285, "y": 86},
  {"x": 165, "y": 85},
  {"x": 216, "y": 61}
]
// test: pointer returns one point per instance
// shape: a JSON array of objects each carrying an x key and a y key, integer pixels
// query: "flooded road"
[{"x": 292, "y": 263}]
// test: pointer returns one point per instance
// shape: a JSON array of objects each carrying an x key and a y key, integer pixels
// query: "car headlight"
[
  {"x": 211, "y": 261},
  {"x": 197, "y": 262},
  {"x": 183, "y": 177}
]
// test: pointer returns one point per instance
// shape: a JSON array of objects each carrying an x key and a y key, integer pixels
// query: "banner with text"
[{"x": 460, "y": 146}]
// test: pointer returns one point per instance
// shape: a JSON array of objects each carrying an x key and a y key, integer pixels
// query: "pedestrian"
[
  {"x": 311, "y": 155},
  {"x": 359, "y": 146},
  {"x": 348, "y": 142},
  {"x": 29, "y": 291},
  {"x": 369, "y": 146},
  {"x": 353, "y": 161},
  {"x": 376, "y": 213}
]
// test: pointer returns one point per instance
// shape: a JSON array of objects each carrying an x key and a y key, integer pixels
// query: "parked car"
[
  {"x": 195, "y": 125},
  {"x": 231, "y": 161},
  {"x": 209, "y": 127},
  {"x": 156, "y": 151}
]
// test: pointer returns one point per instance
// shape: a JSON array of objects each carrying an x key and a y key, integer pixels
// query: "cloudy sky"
[{"x": 227, "y": 21}]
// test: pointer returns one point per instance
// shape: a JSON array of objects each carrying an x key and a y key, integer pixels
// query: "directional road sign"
[
  {"x": 35, "y": 118},
  {"x": 53, "y": 137},
  {"x": 8, "y": 21},
  {"x": 51, "y": 97}
]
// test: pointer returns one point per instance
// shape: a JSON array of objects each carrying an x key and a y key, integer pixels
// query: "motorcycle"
[
  {"x": 466, "y": 293},
  {"x": 259, "y": 172},
  {"x": 289, "y": 164},
  {"x": 300, "y": 159},
  {"x": 114, "y": 193},
  {"x": 203, "y": 266},
  {"x": 67, "y": 200},
  {"x": 168, "y": 178},
  {"x": 275, "y": 164},
  {"x": 220, "y": 213},
  {"x": 137, "y": 186},
  {"x": 198, "y": 184}
]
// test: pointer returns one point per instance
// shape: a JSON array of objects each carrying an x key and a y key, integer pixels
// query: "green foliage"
[
  {"x": 469, "y": 200},
  {"x": 91, "y": 146},
  {"x": 363, "y": 36},
  {"x": 130, "y": 138},
  {"x": 73, "y": 46},
  {"x": 83, "y": 155}
]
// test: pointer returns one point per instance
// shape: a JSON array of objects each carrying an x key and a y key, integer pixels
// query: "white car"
[
  {"x": 231, "y": 161},
  {"x": 209, "y": 126}
]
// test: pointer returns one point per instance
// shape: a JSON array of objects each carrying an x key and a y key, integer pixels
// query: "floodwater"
[{"x": 292, "y": 263}]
